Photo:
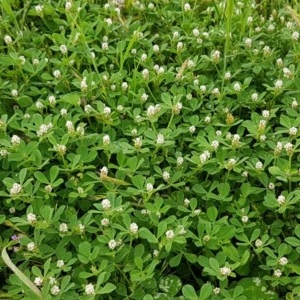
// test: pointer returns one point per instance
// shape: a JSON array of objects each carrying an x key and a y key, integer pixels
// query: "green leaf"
[
  {"x": 189, "y": 292},
  {"x": 54, "y": 171},
  {"x": 72, "y": 98},
  {"x": 170, "y": 284},
  {"x": 41, "y": 177},
  {"x": 226, "y": 232},
  {"x": 138, "y": 181},
  {"x": 138, "y": 262},
  {"x": 162, "y": 228},
  {"x": 224, "y": 189},
  {"x": 212, "y": 213},
  {"x": 85, "y": 248},
  {"x": 175, "y": 260},
  {"x": 205, "y": 291},
  {"x": 145, "y": 233},
  {"x": 108, "y": 288},
  {"x": 297, "y": 230},
  {"x": 214, "y": 264},
  {"x": 293, "y": 241},
  {"x": 22, "y": 175},
  {"x": 24, "y": 101}
]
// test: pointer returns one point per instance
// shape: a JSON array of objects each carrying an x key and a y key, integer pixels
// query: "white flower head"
[
  {"x": 22, "y": 60},
  {"x": 271, "y": 186},
  {"x": 156, "y": 48},
  {"x": 258, "y": 243},
  {"x": 52, "y": 100},
  {"x": 225, "y": 271},
  {"x": 160, "y": 139},
  {"x": 89, "y": 289},
  {"x": 280, "y": 200},
  {"x": 295, "y": 35},
  {"x": 60, "y": 263},
  {"x": 177, "y": 108},
  {"x": 203, "y": 88},
  {"x": 15, "y": 140},
  {"x": 107, "y": 111},
  {"x": 56, "y": 74},
  {"x": 61, "y": 149},
  {"x": 216, "y": 92},
  {"x": 283, "y": 261},
  {"x": 145, "y": 74},
  {"x": 39, "y": 9},
  {"x": 124, "y": 86},
  {"x": 170, "y": 234},
  {"x": 106, "y": 204},
  {"x": 294, "y": 103},
  {"x": 14, "y": 93},
  {"x": 134, "y": 228},
  {"x": 144, "y": 97},
  {"x": 288, "y": 148},
  {"x": 63, "y": 49},
  {"x": 277, "y": 273},
  {"x": 278, "y": 84},
  {"x": 112, "y": 244},
  {"x": 254, "y": 97},
  {"x": 187, "y": 7},
  {"x": 192, "y": 129},
  {"x": 138, "y": 143},
  {"x": 186, "y": 202},
  {"x": 31, "y": 246},
  {"x": 248, "y": 42},
  {"x": 55, "y": 290},
  {"x": 215, "y": 144},
  {"x": 259, "y": 165},
  {"x": 207, "y": 119},
  {"x": 216, "y": 291},
  {"x": 8, "y": 40},
  {"x": 63, "y": 112},
  {"x": 68, "y": 5},
  {"x": 237, "y": 87},
  {"x": 266, "y": 114},
  {"x": 231, "y": 163},
  {"x": 227, "y": 75},
  {"x": 63, "y": 228},
  {"x": 88, "y": 109},
  {"x": 179, "y": 161},
  {"x": 31, "y": 218},
  {"x": 149, "y": 187},
  {"x": 245, "y": 174},
  {"x": 83, "y": 84},
  {"x": 216, "y": 56},
  {"x": 105, "y": 222},
  {"x": 108, "y": 21},
  {"x": 106, "y": 140},
  {"x": 104, "y": 46},
  {"x": 287, "y": 73},
  {"x": 180, "y": 46},
  {"x": 16, "y": 189},
  {"x": 245, "y": 219},
  {"x": 38, "y": 281},
  {"x": 204, "y": 156},
  {"x": 293, "y": 131}
]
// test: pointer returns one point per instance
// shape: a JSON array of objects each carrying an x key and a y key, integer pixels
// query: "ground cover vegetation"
[{"x": 149, "y": 150}]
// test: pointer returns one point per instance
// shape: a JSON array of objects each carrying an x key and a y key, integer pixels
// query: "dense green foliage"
[{"x": 149, "y": 150}]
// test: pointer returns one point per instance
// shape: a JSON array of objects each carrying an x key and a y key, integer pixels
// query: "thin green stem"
[
  {"x": 228, "y": 15},
  {"x": 170, "y": 121}
]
